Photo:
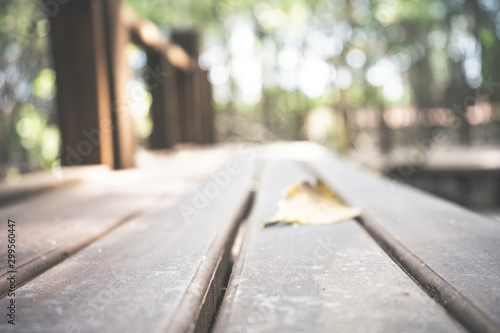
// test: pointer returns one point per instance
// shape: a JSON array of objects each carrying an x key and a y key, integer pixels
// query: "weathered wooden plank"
[
  {"x": 59, "y": 223},
  {"x": 330, "y": 278},
  {"x": 151, "y": 274},
  {"x": 459, "y": 251}
]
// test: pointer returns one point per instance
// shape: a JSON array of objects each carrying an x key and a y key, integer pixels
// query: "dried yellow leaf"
[{"x": 312, "y": 204}]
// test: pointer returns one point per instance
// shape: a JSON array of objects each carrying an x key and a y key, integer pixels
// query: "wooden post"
[
  {"x": 196, "y": 77},
  {"x": 181, "y": 94},
  {"x": 207, "y": 109},
  {"x": 162, "y": 84},
  {"x": 189, "y": 89},
  {"x": 188, "y": 104},
  {"x": 88, "y": 41},
  {"x": 117, "y": 36},
  {"x": 82, "y": 84}
]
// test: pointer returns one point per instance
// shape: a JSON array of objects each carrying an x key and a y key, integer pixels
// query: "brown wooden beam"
[
  {"x": 146, "y": 34},
  {"x": 208, "y": 113},
  {"x": 180, "y": 76},
  {"x": 196, "y": 97},
  {"x": 190, "y": 118},
  {"x": 160, "y": 77},
  {"x": 83, "y": 95},
  {"x": 189, "y": 89},
  {"x": 89, "y": 39},
  {"x": 117, "y": 37}
]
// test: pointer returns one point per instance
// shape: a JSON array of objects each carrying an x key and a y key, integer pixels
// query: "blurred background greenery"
[{"x": 359, "y": 76}]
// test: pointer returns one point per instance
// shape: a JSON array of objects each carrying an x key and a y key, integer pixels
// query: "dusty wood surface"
[
  {"x": 327, "y": 278},
  {"x": 151, "y": 274},
  {"x": 459, "y": 246},
  {"x": 55, "y": 225},
  {"x": 126, "y": 254},
  {"x": 38, "y": 182}
]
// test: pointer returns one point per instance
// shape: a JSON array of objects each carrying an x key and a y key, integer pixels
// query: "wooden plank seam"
[
  {"x": 456, "y": 304},
  {"x": 215, "y": 286}
]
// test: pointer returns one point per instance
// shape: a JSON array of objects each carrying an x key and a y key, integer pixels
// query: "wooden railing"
[{"x": 89, "y": 38}]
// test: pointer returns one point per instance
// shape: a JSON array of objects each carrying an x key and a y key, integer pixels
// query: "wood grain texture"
[
  {"x": 51, "y": 227},
  {"x": 458, "y": 245},
  {"x": 330, "y": 278},
  {"x": 151, "y": 274}
]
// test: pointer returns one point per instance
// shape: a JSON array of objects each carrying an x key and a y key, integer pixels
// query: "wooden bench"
[{"x": 151, "y": 249}]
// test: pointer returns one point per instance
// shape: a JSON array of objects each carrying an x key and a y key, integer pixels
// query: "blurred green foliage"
[
  {"x": 274, "y": 64},
  {"x": 384, "y": 53},
  {"x": 29, "y": 136}
]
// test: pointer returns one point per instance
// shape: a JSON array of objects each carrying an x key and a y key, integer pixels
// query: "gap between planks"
[
  {"x": 207, "y": 313},
  {"x": 205, "y": 317}
]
